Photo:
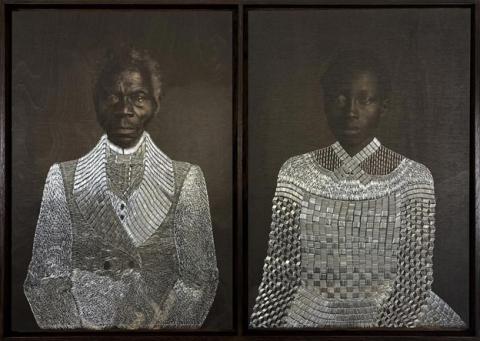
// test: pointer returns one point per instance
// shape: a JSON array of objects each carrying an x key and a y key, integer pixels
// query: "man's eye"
[
  {"x": 139, "y": 99},
  {"x": 112, "y": 99},
  {"x": 341, "y": 100}
]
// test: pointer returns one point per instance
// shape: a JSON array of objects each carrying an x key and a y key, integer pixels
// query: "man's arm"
[
  {"x": 48, "y": 283},
  {"x": 192, "y": 295}
]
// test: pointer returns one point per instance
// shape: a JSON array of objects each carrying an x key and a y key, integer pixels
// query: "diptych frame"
[{"x": 240, "y": 120}]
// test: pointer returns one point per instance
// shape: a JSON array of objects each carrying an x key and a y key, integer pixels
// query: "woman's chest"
[{"x": 349, "y": 247}]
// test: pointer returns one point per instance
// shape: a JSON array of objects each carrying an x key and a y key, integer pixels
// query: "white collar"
[
  {"x": 126, "y": 151},
  {"x": 149, "y": 204}
]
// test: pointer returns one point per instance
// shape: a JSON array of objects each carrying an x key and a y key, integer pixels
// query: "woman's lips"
[{"x": 351, "y": 131}]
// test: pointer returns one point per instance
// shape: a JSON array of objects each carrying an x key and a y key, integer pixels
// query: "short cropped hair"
[
  {"x": 347, "y": 63},
  {"x": 129, "y": 58}
]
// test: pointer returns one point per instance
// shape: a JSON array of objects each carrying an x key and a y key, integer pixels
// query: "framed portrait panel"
[
  {"x": 143, "y": 236},
  {"x": 321, "y": 254}
]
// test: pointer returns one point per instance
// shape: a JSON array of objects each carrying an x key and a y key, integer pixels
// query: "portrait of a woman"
[{"x": 353, "y": 224}]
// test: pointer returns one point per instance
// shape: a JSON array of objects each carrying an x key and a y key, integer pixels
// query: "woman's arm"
[
  {"x": 281, "y": 269},
  {"x": 403, "y": 308}
]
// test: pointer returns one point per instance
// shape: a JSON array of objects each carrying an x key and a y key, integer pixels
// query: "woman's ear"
[{"x": 385, "y": 106}]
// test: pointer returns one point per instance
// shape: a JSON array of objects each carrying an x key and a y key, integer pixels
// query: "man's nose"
[{"x": 126, "y": 107}]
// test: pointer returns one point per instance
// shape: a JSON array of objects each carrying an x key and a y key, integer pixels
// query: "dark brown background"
[
  {"x": 54, "y": 57},
  {"x": 428, "y": 54}
]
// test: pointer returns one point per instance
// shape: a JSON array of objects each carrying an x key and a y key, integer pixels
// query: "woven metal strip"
[
  {"x": 415, "y": 269},
  {"x": 281, "y": 270},
  {"x": 382, "y": 162},
  {"x": 348, "y": 247}
]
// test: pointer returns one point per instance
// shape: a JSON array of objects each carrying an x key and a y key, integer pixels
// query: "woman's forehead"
[{"x": 363, "y": 79}]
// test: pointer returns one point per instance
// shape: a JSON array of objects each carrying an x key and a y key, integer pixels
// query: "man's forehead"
[{"x": 127, "y": 77}]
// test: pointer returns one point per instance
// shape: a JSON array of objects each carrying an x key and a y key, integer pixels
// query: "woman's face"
[
  {"x": 124, "y": 107},
  {"x": 353, "y": 107}
]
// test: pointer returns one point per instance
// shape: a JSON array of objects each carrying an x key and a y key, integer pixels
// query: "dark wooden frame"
[
  {"x": 240, "y": 143},
  {"x": 6, "y": 161},
  {"x": 473, "y": 328}
]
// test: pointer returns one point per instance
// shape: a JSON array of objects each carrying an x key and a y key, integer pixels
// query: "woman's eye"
[{"x": 366, "y": 100}]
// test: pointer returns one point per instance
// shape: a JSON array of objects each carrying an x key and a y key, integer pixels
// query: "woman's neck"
[{"x": 354, "y": 149}]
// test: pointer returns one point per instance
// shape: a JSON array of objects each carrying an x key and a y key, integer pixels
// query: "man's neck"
[{"x": 126, "y": 151}]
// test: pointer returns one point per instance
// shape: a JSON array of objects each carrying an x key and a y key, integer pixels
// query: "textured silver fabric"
[
  {"x": 365, "y": 238},
  {"x": 147, "y": 206},
  {"x": 124, "y": 172},
  {"x": 282, "y": 265},
  {"x": 196, "y": 287},
  {"x": 49, "y": 276},
  {"x": 103, "y": 260}
]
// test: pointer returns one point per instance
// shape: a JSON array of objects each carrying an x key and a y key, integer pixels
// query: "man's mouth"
[{"x": 124, "y": 130}]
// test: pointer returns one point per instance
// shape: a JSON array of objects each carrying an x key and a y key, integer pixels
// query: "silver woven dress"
[
  {"x": 123, "y": 240},
  {"x": 351, "y": 244}
]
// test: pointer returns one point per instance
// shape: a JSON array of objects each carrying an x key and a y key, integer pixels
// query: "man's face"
[
  {"x": 353, "y": 108},
  {"x": 124, "y": 107}
]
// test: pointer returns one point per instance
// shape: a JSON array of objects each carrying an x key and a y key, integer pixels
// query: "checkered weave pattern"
[
  {"x": 282, "y": 266},
  {"x": 363, "y": 242},
  {"x": 415, "y": 272}
]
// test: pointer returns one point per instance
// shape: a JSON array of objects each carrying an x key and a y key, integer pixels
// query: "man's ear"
[
  {"x": 96, "y": 106},
  {"x": 95, "y": 102},
  {"x": 157, "y": 108},
  {"x": 154, "y": 113}
]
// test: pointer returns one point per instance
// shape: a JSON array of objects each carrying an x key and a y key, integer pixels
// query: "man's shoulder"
[
  {"x": 68, "y": 165},
  {"x": 181, "y": 168},
  {"x": 186, "y": 171},
  {"x": 66, "y": 170}
]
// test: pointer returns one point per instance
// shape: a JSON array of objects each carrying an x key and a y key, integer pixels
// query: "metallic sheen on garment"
[
  {"x": 123, "y": 241},
  {"x": 356, "y": 250}
]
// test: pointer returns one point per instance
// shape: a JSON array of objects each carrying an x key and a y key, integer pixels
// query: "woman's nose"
[{"x": 352, "y": 110}]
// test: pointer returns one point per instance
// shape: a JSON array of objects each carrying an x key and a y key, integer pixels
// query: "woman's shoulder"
[
  {"x": 393, "y": 162},
  {"x": 416, "y": 171},
  {"x": 296, "y": 164}
]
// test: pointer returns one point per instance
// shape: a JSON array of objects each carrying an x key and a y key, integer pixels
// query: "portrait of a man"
[
  {"x": 353, "y": 224},
  {"x": 124, "y": 234}
]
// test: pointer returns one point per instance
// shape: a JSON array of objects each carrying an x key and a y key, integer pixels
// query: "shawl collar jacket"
[{"x": 100, "y": 261}]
